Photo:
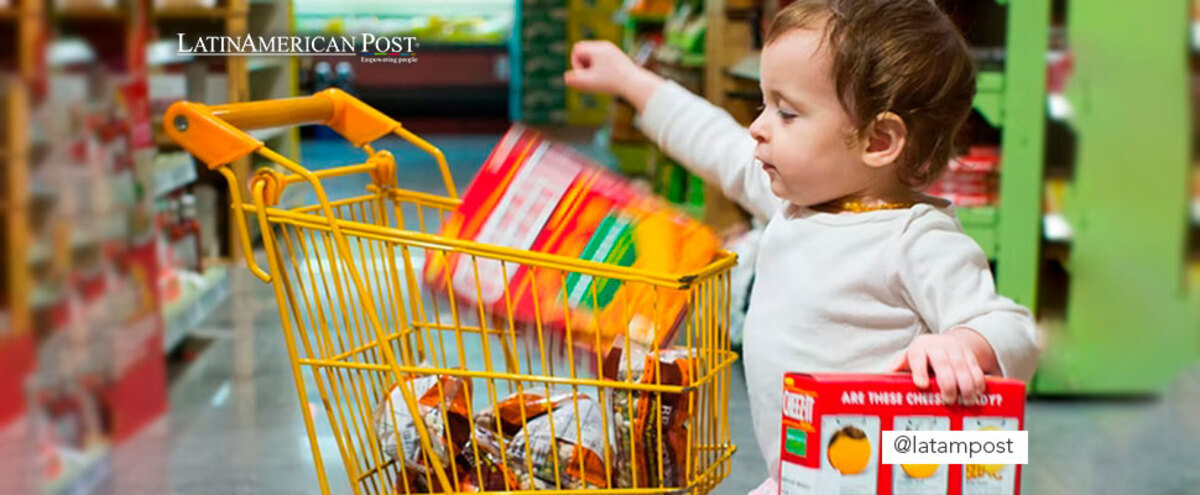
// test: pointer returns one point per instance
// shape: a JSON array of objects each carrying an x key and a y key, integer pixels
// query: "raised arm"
[{"x": 702, "y": 137}]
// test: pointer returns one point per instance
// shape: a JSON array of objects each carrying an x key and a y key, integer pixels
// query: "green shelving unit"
[
  {"x": 1132, "y": 323},
  {"x": 1014, "y": 101}
]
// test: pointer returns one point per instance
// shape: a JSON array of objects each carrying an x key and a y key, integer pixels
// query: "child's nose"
[{"x": 758, "y": 130}]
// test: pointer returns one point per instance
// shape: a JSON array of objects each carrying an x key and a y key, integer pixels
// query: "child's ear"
[{"x": 885, "y": 140}]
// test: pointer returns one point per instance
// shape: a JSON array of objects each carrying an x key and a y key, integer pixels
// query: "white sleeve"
[
  {"x": 947, "y": 279},
  {"x": 707, "y": 141}
]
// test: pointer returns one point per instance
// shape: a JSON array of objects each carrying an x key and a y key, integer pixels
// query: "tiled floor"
[{"x": 235, "y": 424}]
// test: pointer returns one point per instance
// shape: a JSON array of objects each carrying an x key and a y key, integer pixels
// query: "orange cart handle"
[
  {"x": 316, "y": 109},
  {"x": 215, "y": 134}
]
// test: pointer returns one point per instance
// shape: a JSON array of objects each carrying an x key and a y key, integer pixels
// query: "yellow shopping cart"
[{"x": 425, "y": 393}]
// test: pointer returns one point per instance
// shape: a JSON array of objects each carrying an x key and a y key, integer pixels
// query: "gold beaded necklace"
[{"x": 857, "y": 206}]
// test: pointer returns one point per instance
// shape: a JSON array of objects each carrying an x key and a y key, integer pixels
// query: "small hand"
[
  {"x": 952, "y": 358},
  {"x": 600, "y": 66}
]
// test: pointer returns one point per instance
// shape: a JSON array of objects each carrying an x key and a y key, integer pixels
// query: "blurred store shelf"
[{"x": 196, "y": 303}]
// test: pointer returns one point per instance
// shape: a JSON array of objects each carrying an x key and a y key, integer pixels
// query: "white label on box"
[
  {"x": 516, "y": 221},
  {"x": 795, "y": 479}
]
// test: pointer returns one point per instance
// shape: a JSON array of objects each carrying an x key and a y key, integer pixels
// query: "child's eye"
[{"x": 786, "y": 116}]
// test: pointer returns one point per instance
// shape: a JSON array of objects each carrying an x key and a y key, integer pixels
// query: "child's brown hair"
[{"x": 899, "y": 56}]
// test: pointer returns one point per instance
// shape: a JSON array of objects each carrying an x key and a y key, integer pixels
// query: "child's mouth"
[{"x": 767, "y": 167}]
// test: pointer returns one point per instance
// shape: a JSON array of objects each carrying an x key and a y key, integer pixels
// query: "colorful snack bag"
[
  {"x": 575, "y": 429},
  {"x": 637, "y": 416},
  {"x": 484, "y": 472},
  {"x": 397, "y": 432}
]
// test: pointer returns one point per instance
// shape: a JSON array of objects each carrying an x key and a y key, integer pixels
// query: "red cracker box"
[
  {"x": 536, "y": 195},
  {"x": 832, "y": 426}
]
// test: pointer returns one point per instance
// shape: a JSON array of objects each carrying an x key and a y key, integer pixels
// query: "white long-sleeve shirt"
[{"x": 837, "y": 292}]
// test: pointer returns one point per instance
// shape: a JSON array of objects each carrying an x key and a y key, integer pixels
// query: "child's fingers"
[
  {"x": 573, "y": 78},
  {"x": 918, "y": 362},
  {"x": 581, "y": 55},
  {"x": 967, "y": 387},
  {"x": 900, "y": 363},
  {"x": 943, "y": 372},
  {"x": 976, "y": 372}
]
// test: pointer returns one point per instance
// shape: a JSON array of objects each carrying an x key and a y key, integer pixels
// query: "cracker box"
[
  {"x": 832, "y": 424},
  {"x": 537, "y": 195}
]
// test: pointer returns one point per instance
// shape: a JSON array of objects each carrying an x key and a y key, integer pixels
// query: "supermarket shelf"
[
  {"x": 1060, "y": 108},
  {"x": 747, "y": 67},
  {"x": 1055, "y": 228},
  {"x": 980, "y": 224},
  {"x": 163, "y": 52},
  {"x": 989, "y": 97},
  {"x": 1196, "y": 36},
  {"x": 173, "y": 171},
  {"x": 191, "y": 13},
  {"x": 92, "y": 13},
  {"x": 673, "y": 56},
  {"x": 647, "y": 18},
  {"x": 161, "y": 140},
  {"x": 183, "y": 315},
  {"x": 84, "y": 472},
  {"x": 266, "y": 63}
]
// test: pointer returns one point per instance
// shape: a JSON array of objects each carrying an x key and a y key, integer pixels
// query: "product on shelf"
[
  {"x": 533, "y": 194},
  {"x": 832, "y": 424},
  {"x": 971, "y": 180},
  {"x": 652, "y": 7}
]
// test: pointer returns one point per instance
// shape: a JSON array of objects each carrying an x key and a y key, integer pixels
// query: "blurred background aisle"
[{"x": 139, "y": 356}]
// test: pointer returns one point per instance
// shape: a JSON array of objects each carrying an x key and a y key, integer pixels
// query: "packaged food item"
[
  {"x": 443, "y": 404},
  {"x": 573, "y": 428},
  {"x": 637, "y": 416},
  {"x": 480, "y": 470},
  {"x": 536, "y": 195},
  {"x": 971, "y": 180},
  {"x": 832, "y": 426},
  {"x": 494, "y": 428}
]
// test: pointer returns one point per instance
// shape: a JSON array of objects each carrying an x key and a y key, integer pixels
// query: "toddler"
[{"x": 857, "y": 270}]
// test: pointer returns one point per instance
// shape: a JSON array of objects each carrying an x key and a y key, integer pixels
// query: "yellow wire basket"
[{"x": 425, "y": 392}]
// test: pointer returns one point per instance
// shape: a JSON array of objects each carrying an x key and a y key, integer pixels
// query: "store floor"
[{"x": 235, "y": 425}]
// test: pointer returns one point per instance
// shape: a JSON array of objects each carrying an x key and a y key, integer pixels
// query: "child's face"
[{"x": 806, "y": 140}]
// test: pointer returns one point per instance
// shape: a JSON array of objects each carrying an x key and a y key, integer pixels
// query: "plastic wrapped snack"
[
  {"x": 443, "y": 402},
  {"x": 580, "y": 446},
  {"x": 636, "y": 417},
  {"x": 482, "y": 461},
  {"x": 525, "y": 420},
  {"x": 481, "y": 469}
]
